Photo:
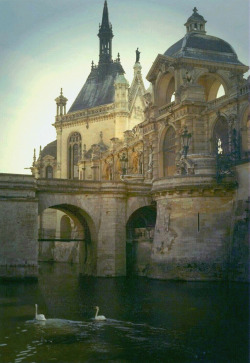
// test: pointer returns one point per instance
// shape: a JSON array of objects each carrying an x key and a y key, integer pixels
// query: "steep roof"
[{"x": 99, "y": 88}]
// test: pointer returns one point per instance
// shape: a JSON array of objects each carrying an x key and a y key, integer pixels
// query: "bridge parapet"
[
  {"x": 89, "y": 187},
  {"x": 17, "y": 186}
]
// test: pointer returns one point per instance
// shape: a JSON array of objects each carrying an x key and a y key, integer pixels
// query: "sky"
[{"x": 49, "y": 44}]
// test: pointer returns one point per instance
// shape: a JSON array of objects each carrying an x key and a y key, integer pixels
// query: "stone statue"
[
  {"x": 135, "y": 161},
  {"x": 137, "y": 55},
  {"x": 108, "y": 170},
  {"x": 150, "y": 159}
]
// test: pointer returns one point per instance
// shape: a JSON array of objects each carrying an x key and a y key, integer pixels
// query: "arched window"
[
  {"x": 49, "y": 172},
  {"x": 213, "y": 86},
  {"x": 169, "y": 152},
  {"x": 75, "y": 149},
  {"x": 220, "y": 136},
  {"x": 65, "y": 227}
]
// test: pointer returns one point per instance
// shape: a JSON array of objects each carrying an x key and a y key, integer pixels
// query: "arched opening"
[
  {"x": 220, "y": 136},
  {"x": 214, "y": 86},
  {"x": 49, "y": 172},
  {"x": 245, "y": 134},
  {"x": 65, "y": 235},
  {"x": 220, "y": 92},
  {"x": 165, "y": 90},
  {"x": 169, "y": 152},
  {"x": 74, "y": 154},
  {"x": 139, "y": 238}
]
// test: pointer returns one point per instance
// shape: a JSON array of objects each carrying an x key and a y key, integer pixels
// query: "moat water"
[{"x": 147, "y": 320}]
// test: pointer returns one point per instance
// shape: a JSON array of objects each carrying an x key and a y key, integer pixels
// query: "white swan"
[
  {"x": 39, "y": 316},
  {"x": 99, "y": 317}
]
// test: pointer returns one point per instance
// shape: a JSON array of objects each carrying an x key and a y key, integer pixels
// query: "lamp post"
[
  {"x": 124, "y": 161},
  {"x": 185, "y": 138}
]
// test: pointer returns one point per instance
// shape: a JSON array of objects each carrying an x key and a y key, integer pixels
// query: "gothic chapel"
[{"x": 181, "y": 149}]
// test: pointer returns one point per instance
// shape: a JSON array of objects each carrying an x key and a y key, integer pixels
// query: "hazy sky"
[{"x": 49, "y": 44}]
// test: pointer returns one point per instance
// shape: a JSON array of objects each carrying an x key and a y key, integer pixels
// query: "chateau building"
[{"x": 186, "y": 139}]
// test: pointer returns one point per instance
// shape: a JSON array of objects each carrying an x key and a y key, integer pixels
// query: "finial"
[
  {"x": 195, "y": 9},
  {"x": 118, "y": 57},
  {"x": 40, "y": 152},
  {"x": 61, "y": 92},
  {"x": 92, "y": 65},
  {"x": 34, "y": 156}
]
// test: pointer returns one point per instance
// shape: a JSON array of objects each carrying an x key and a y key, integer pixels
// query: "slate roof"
[
  {"x": 203, "y": 47},
  {"x": 50, "y": 149},
  {"x": 99, "y": 88}
]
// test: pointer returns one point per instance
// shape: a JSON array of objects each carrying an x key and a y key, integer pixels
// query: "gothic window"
[
  {"x": 49, "y": 172},
  {"x": 169, "y": 152},
  {"x": 220, "y": 136},
  {"x": 74, "y": 152}
]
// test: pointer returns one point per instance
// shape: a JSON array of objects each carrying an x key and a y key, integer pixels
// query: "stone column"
[
  {"x": 111, "y": 249},
  {"x": 18, "y": 227}
]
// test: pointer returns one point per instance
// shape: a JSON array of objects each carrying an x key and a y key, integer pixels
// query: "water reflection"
[{"x": 147, "y": 320}]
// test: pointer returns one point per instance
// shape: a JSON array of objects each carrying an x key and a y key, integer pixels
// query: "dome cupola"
[{"x": 195, "y": 23}]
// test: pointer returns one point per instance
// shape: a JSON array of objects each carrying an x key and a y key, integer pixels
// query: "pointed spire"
[
  {"x": 105, "y": 16},
  {"x": 105, "y": 34}
]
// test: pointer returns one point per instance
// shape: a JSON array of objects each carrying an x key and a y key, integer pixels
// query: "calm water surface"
[{"x": 147, "y": 320}]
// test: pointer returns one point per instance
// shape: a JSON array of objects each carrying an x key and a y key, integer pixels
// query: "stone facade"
[{"x": 153, "y": 182}]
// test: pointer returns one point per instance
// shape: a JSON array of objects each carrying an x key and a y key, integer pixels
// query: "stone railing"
[
  {"x": 85, "y": 113},
  {"x": 244, "y": 90},
  {"x": 166, "y": 108},
  {"x": 216, "y": 102},
  {"x": 190, "y": 183}
]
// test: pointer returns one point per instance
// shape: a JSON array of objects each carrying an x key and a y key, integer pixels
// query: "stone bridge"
[{"x": 104, "y": 208}]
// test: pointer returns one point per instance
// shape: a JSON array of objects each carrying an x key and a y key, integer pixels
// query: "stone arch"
[
  {"x": 139, "y": 237},
  {"x": 220, "y": 135},
  {"x": 137, "y": 203},
  {"x": 212, "y": 83},
  {"x": 84, "y": 230},
  {"x": 245, "y": 131},
  {"x": 167, "y": 151},
  {"x": 165, "y": 89},
  {"x": 74, "y": 154}
]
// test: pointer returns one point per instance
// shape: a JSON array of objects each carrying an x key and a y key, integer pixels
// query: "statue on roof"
[{"x": 137, "y": 55}]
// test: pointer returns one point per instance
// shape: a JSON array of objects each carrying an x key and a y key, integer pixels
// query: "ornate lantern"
[
  {"x": 124, "y": 161},
  {"x": 185, "y": 138}
]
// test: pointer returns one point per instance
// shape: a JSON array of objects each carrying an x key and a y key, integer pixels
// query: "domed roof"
[
  {"x": 50, "y": 149},
  {"x": 197, "y": 45}
]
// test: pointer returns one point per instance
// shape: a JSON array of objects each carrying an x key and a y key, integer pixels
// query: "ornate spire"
[{"x": 105, "y": 34}]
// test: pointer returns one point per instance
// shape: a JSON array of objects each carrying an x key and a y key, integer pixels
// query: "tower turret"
[
  {"x": 61, "y": 104},
  {"x": 105, "y": 35}
]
